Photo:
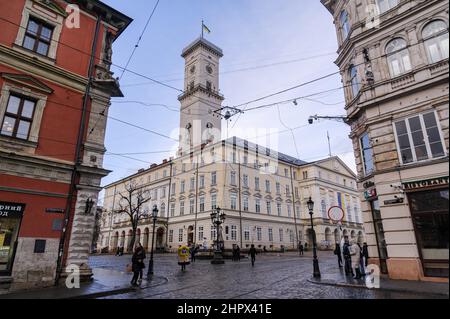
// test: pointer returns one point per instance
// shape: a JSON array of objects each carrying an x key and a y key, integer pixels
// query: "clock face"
[{"x": 209, "y": 69}]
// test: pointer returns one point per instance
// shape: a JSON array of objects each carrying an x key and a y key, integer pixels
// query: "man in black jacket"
[
  {"x": 338, "y": 253},
  {"x": 347, "y": 257},
  {"x": 252, "y": 252}
]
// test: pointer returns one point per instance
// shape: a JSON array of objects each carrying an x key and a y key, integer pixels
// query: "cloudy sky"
[{"x": 269, "y": 45}]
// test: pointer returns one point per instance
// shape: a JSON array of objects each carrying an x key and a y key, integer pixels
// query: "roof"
[
  {"x": 203, "y": 43},
  {"x": 242, "y": 143}
]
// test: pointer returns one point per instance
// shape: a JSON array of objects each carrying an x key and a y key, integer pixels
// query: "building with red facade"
[{"x": 56, "y": 85}]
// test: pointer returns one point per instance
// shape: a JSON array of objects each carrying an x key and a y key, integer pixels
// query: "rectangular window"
[
  {"x": 279, "y": 211},
  {"x": 202, "y": 181},
  {"x": 213, "y": 201},
  {"x": 181, "y": 208},
  {"x": 245, "y": 203},
  {"x": 278, "y": 188},
  {"x": 289, "y": 210},
  {"x": 180, "y": 235},
  {"x": 202, "y": 204},
  {"x": 258, "y": 205},
  {"x": 297, "y": 193},
  {"x": 270, "y": 234},
  {"x": 173, "y": 188},
  {"x": 171, "y": 236},
  {"x": 245, "y": 178},
  {"x": 268, "y": 186},
  {"x": 419, "y": 138},
  {"x": 213, "y": 233},
  {"x": 288, "y": 190},
  {"x": 182, "y": 186},
  {"x": 233, "y": 178},
  {"x": 213, "y": 178},
  {"x": 257, "y": 183},
  {"x": 286, "y": 172},
  {"x": 192, "y": 184},
  {"x": 191, "y": 206},
  {"x": 38, "y": 36},
  {"x": 200, "y": 233},
  {"x": 305, "y": 175},
  {"x": 39, "y": 246},
  {"x": 233, "y": 199},
  {"x": 280, "y": 232},
  {"x": 18, "y": 117},
  {"x": 247, "y": 233},
  {"x": 172, "y": 209},
  {"x": 233, "y": 232},
  {"x": 269, "y": 207},
  {"x": 259, "y": 233},
  {"x": 367, "y": 154}
]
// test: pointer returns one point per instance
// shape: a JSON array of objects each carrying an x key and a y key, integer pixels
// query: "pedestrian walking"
[
  {"x": 347, "y": 257},
  {"x": 252, "y": 252},
  {"x": 361, "y": 261},
  {"x": 193, "y": 251},
  {"x": 366, "y": 254},
  {"x": 137, "y": 264},
  {"x": 183, "y": 257},
  {"x": 233, "y": 253},
  {"x": 306, "y": 246},
  {"x": 338, "y": 253},
  {"x": 301, "y": 249},
  {"x": 355, "y": 253},
  {"x": 238, "y": 253}
]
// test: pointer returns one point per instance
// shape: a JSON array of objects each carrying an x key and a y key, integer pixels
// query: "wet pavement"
[{"x": 282, "y": 276}]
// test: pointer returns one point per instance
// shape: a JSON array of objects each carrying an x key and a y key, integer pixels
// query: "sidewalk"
[
  {"x": 106, "y": 283},
  {"x": 402, "y": 286}
]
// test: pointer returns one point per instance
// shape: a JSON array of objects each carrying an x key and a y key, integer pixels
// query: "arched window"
[
  {"x": 386, "y": 5},
  {"x": 353, "y": 76},
  {"x": 345, "y": 24},
  {"x": 398, "y": 57},
  {"x": 435, "y": 35}
]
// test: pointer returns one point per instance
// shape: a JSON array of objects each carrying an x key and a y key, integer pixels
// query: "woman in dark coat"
[{"x": 137, "y": 264}]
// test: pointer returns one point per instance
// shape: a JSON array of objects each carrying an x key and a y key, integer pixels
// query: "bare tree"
[{"x": 131, "y": 203}]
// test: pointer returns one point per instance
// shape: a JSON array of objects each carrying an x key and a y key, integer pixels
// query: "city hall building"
[
  {"x": 394, "y": 61},
  {"x": 55, "y": 82},
  {"x": 262, "y": 192}
]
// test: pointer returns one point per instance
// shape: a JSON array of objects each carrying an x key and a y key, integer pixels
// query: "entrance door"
[
  {"x": 379, "y": 233},
  {"x": 10, "y": 219},
  {"x": 190, "y": 235},
  {"x": 429, "y": 211}
]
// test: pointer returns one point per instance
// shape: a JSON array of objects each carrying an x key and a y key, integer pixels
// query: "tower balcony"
[{"x": 191, "y": 91}]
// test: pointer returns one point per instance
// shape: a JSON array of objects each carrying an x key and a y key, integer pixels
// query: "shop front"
[
  {"x": 429, "y": 204},
  {"x": 10, "y": 219}
]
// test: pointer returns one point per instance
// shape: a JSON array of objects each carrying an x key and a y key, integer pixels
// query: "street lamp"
[
  {"x": 316, "y": 273},
  {"x": 217, "y": 218},
  {"x": 150, "y": 264}
]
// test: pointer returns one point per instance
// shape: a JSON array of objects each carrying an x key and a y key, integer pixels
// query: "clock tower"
[{"x": 199, "y": 123}]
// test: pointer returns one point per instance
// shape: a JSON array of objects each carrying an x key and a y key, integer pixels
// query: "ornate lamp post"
[
  {"x": 150, "y": 264},
  {"x": 217, "y": 218},
  {"x": 316, "y": 273}
]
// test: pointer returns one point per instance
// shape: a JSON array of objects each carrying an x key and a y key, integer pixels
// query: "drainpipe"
[
  {"x": 294, "y": 208},
  {"x": 78, "y": 156},
  {"x": 168, "y": 202}
]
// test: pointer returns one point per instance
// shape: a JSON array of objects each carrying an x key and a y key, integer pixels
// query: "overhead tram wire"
[{"x": 140, "y": 39}]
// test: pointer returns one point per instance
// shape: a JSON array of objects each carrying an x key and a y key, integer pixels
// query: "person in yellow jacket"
[{"x": 183, "y": 256}]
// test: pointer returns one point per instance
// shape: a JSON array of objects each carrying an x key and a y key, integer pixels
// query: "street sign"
[{"x": 336, "y": 214}]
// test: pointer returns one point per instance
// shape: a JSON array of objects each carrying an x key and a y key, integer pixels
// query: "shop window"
[{"x": 10, "y": 217}]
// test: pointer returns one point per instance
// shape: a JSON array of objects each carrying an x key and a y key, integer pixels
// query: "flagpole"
[{"x": 202, "y": 27}]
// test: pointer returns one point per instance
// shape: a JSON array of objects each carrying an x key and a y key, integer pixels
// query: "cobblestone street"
[{"x": 273, "y": 277}]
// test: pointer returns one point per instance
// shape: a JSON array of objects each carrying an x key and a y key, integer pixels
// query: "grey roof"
[
  {"x": 264, "y": 150},
  {"x": 202, "y": 42}
]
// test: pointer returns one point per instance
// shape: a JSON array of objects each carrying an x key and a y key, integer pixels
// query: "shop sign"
[
  {"x": 370, "y": 194},
  {"x": 441, "y": 181},
  {"x": 11, "y": 210},
  {"x": 394, "y": 201}
]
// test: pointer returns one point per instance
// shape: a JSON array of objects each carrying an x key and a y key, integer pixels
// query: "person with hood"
[
  {"x": 355, "y": 253},
  {"x": 137, "y": 264}
]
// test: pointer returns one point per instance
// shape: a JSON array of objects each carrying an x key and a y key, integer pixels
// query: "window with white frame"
[
  {"x": 202, "y": 204},
  {"x": 398, "y": 57},
  {"x": 201, "y": 234},
  {"x": 419, "y": 138},
  {"x": 233, "y": 201},
  {"x": 202, "y": 181},
  {"x": 163, "y": 192},
  {"x": 257, "y": 183},
  {"x": 435, "y": 35},
  {"x": 192, "y": 206},
  {"x": 268, "y": 186},
  {"x": 182, "y": 186},
  {"x": 233, "y": 232},
  {"x": 279, "y": 209},
  {"x": 245, "y": 180},
  {"x": 270, "y": 233},
  {"x": 353, "y": 80},
  {"x": 171, "y": 236},
  {"x": 297, "y": 211},
  {"x": 233, "y": 178},
  {"x": 281, "y": 234},
  {"x": 288, "y": 190},
  {"x": 269, "y": 207},
  {"x": 291, "y": 236},
  {"x": 355, "y": 210},
  {"x": 172, "y": 209},
  {"x": 258, "y": 233},
  {"x": 278, "y": 188},
  {"x": 246, "y": 233},
  {"x": 180, "y": 235},
  {"x": 246, "y": 205},
  {"x": 323, "y": 207},
  {"x": 182, "y": 208},
  {"x": 367, "y": 154},
  {"x": 163, "y": 210},
  {"x": 289, "y": 210},
  {"x": 18, "y": 117},
  {"x": 258, "y": 205},
  {"x": 213, "y": 201},
  {"x": 344, "y": 24},
  {"x": 192, "y": 184},
  {"x": 174, "y": 186},
  {"x": 386, "y": 5},
  {"x": 213, "y": 178}
]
